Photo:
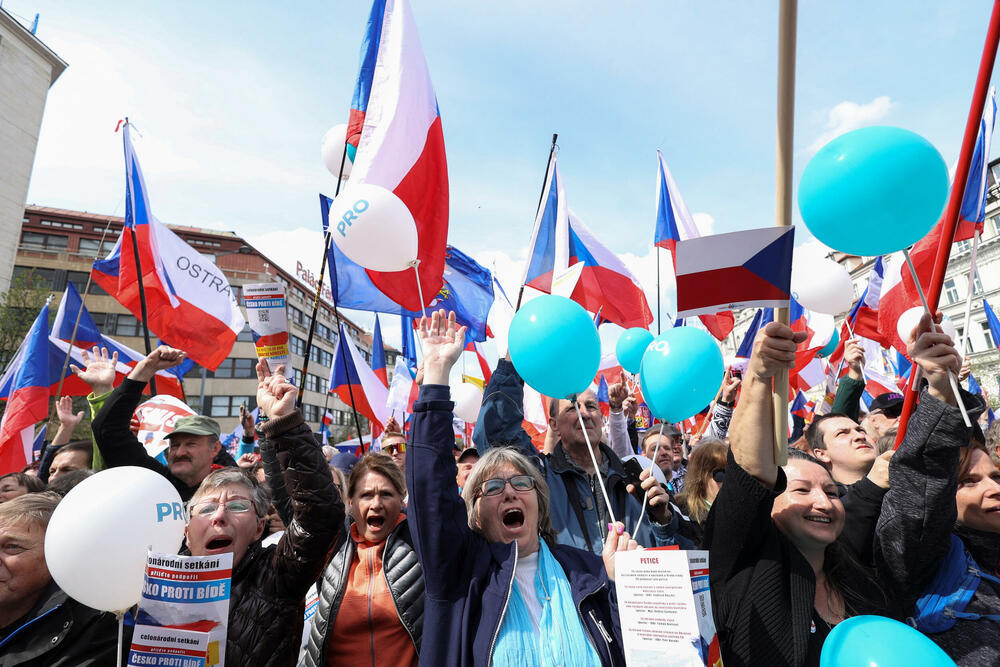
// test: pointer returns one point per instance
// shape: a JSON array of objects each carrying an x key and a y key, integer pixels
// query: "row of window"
[
  {"x": 58, "y": 243},
  {"x": 54, "y": 280}
]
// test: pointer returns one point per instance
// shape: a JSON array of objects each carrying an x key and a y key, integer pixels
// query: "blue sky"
[{"x": 232, "y": 100}]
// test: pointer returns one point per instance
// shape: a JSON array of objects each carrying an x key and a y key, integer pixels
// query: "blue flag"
[{"x": 991, "y": 317}]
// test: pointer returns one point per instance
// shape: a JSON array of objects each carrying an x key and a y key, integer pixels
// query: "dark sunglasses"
[
  {"x": 492, "y": 487},
  {"x": 719, "y": 475}
]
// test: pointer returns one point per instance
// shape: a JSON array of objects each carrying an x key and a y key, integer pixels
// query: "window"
[
  {"x": 962, "y": 246},
  {"x": 244, "y": 336},
  {"x": 36, "y": 241},
  {"x": 297, "y": 316},
  {"x": 987, "y": 336},
  {"x": 228, "y": 406},
  {"x": 310, "y": 413},
  {"x": 950, "y": 291},
  {"x": 35, "y": 278},
  {"x": 96, "y": 247},
  {"x": 63, "y": 225},
  {"x": 124, "y": 325},
  {"x": 321, "y": 356},
  {"x": 977, "y": 285},
  {"x": 80, "y": 278},
  {"x": 298, "y": 345},
  {"x": 236, "y": 368}
]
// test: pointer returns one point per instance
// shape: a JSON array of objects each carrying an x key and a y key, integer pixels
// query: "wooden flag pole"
[
  {"x": 950, "y": 219},
  {"x": 787, "y": 17}
]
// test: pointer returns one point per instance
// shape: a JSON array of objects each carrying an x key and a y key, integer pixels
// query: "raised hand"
[
  {"x": 100, "y": 370},
  {"x": 774, "y": 350},
  {"x": 392, "y": 426},
  {"x": 275, "y": 394},
  {"x": 246, "y": 461},
  {"x": 617, "y": 540},
  {"x": 442, "y": 341},
  {"x": 656, "y": 496},
  {"x": 854, "y": 357},
  {"x": 630, "y": 407},
  {"x": 64, "y": 410},
  {"x": 936, "y": 355},
  {"x": 246, "y": 420},
  {"x": 730, "y": 385},
  {"x": 617, "y": 393},
  {"x": 159, "y": 359}
]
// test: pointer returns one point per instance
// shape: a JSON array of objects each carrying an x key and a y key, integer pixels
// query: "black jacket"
[
  {"x": 61, "y": 632},
  {"x": 403, "y": 574},
  {"x": 269, "y": 584},
  {"x": 919, "y": 515}
]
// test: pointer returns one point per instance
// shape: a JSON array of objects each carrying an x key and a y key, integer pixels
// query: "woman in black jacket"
[{"x": 780, "y": 578}]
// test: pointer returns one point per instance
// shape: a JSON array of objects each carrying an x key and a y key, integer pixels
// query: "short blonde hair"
[{"x": 495, "y": 459}]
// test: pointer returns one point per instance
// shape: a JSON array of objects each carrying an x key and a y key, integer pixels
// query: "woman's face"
[
  {"x": 375, "y": 506},
  {"x": 809, "y": 512},
  {"x": 978, "y": 495},
  {"x": 510, "y": 514}
]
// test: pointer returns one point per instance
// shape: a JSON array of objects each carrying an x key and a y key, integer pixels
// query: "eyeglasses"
[
  {"x": 401, "y": 446},
  {"x": 492, "y": 487},
  {"x": 209, "y": 507},
  {"x": 719, "y": 475}
]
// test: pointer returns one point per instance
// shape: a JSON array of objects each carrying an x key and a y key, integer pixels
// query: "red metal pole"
[{"x": 950, "y": 218}]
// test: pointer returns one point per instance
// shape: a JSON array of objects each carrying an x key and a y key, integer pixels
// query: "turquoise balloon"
[
  {"x": 680, "y": 373},
  {"x": 352, "y": 152},
  {"x": 873, "y": 191},
  {"x": 631, "y": 346},
  {"x": 554, "y": 346},
  {"x": 877, "y": 641},
  {"x": 829, "y": 348}
]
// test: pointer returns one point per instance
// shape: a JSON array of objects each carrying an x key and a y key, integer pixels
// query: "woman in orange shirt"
[{"x": 371, "y": 594}]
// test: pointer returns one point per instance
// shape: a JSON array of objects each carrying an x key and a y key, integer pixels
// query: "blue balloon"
[
  {"x": 631, "y": 346},
  {"x": 681, "y": 373},
  {"x": 554, "y": 346},
  {"x": 830, "y": 347},
  {"x": 352, "y": 152},
  {"x": 877, "y": 641},
  {"x": 873, "y": 191}
]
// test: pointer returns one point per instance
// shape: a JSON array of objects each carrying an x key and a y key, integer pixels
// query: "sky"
[{"x": 232, "y": 100}]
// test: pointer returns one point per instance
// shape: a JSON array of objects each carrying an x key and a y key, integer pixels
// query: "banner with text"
[{"x": 268, "y": 319}]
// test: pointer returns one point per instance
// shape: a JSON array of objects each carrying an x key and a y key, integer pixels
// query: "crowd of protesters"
[{"x": 503, "y": 553}]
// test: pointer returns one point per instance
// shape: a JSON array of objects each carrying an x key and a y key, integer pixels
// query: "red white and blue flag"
[
  {"x": 735, "y": 270},
  {"x": 560, "y": 240},
  {"x": 378, "y": 355},
  {"x": 800, "y": 406},
  {"x": 401, "y": 144},
  {"x": 972, "y": 215},
  {"x": 350, "y": 377},
  {"x": 484, "y": 366},
  {"x": 762, "y": 317},
  {"x": 604, "y": 398},
  {"x": 189, "y": 302},
  {"x": 28, "y": 401}
]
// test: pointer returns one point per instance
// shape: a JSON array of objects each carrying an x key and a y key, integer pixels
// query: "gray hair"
[
  {"x": 235, "y": 477},
  {"x": 495, "y": 459},
  {"x": 36, "y": 508}
]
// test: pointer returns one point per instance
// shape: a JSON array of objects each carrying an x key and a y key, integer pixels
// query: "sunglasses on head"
[
  {"x": 719, "y": 475},
  {"x": 495, "y": 486}
]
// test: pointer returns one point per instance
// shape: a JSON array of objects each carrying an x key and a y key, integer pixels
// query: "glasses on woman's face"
[
  {"x": 210, "y": 507},
  {"x": 521, "y": 483},
  {"x": 719, "y": 475}
]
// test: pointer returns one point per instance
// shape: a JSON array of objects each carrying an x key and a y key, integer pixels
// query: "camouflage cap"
[{"x": 195, "y": 425}]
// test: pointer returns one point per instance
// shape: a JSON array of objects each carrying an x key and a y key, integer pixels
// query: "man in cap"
[
  {"x": 193, "y": 444},
  {"x": 466, "y": 461},
  {"x": 883, "y": 414}
]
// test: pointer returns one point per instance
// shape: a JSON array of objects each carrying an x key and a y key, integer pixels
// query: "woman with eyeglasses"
[
  {"x": 705, "y": 473},
  {"x": 499, "y": 590},
  {"x": 227, "y": 514},
  {"x": 371, "y": 595}
]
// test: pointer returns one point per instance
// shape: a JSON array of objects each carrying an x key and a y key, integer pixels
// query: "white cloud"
[
  {"x": 848, "y": 116},
  {"x": 705, "y": 223},
  {"x": 288, "y": 247}
]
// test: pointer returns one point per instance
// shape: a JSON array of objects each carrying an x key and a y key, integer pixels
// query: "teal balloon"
[
  {"x": 680, "y": 373},
  {"x": 877, "y": 641},
  {"x": 554, "y": 346},
  {"x": 352, "y": 151},
  {"x": 873, "y": 191},
  {"x": 632, "y": 344},
  {"x": 829, "y": 348}
]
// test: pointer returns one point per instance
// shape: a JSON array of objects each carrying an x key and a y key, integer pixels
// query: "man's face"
[
  {"x": 465, "y": 467},
  {"x": 878, "y": 423},
  {"x": 566, "y": 424},
  {"x": 65, "y": 462},
  {"x": 23, "y": 573},
  {"x": 847, "y": 445},
  {"x": 10, "y": 488},
  {"x": 189, "y": 457},
  {"x": 222, "y": 530},
  {"x": 664, "y": 455},
  {"x": 677, "y": 445},
  {"x": 396, "y": 449}
]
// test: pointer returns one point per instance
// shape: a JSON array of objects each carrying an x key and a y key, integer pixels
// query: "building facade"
[
  {"x": 28, "y": 69},
  {"x": 57, "y": 246}
]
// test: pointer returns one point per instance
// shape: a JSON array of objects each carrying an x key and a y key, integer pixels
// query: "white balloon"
[
  {"x": 908, "y": 321},
  {"x": 373, "y": 227},
  {"x": 821, "y": 285},
  {"x": 332, "y": 150},
  {"x": 823, "y": 327},
  {"x": 96, "y": 541},
  {"x": 468, "y": 399}
]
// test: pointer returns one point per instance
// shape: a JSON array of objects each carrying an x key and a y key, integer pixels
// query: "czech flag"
[
  {"x": 189, "y": 302},
  {"x": 378, "y": 355},
  {"x": 800, "y": 406},
  {"x": 973, "y": 212},
  {"x": 560, "y": 240},
  {"x": 994, "y": 324},
  {"x": 401, "y": 144},
  {"x": 28, "y": 401},
  {"x": 473, "y": 347},
  {"x": 760, "y": 320},
  {"x": 409, "y": 344},
  {"x": 735, "y": 270},
  {"x": 603, "y": 398},
  {"x": 350, "y": 377}
]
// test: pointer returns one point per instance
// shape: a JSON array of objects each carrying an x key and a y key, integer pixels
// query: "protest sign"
[
  {"x": 188, "y": 594},
  {"x": 665, "y": 608},
  {"x": 268, "y": 320},
  {"x": 153, "y": 646},
  {"x": 156, "y": 419}
]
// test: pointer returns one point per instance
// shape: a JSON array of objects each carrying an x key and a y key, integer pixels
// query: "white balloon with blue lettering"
[
  {"x": 97, "y": 539},
  {"x": 374, "y": 228}
]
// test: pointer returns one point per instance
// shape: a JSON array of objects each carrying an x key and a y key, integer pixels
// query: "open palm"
[
  {"x": 100, "y": 369},
  {"x": 442, "y": 339}
]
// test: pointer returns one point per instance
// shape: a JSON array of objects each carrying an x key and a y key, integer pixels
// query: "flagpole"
[
  {"x": 787, "y": 17},
  {"x": 541, "y": 196},
  {"x": 957, "y": 189},
  {"x": 968, "y": 297},
  {"x": 659, "y": 323}
]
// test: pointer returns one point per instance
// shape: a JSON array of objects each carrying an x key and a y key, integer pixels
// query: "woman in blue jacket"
[{"x": 498, "y": 592}]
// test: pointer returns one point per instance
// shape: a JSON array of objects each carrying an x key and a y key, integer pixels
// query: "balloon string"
[
  {"x": 656, "y": 451},
  {"x": 121, "y": 635},
  {"x": 593, "y": 459},
  {"x": 927, "y": 310},
  {"x": 420, "y": 291}
]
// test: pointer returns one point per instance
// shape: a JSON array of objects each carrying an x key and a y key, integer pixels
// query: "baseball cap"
[
  {"x": 195, "y": 425},
  {"x": 668, "y": 429},
  {"x": 890, "y": 403},
  {"x": 467, "y": 453}
]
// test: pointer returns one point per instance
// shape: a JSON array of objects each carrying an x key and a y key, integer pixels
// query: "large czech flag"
[
  {"x": 189, "y": 303},
  {"x": 28, "y": 402},
  {"x": 355, "y": 383},
  {"x": 401, "y": 144}
]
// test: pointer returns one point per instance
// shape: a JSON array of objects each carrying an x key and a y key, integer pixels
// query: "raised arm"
[
  {"x": 850, "y": 388},
  {"x": 621, "y": 445},
  {"x": 317, "y": 510},
  {"x": 722, "y": 413},
  {"x": 502, "y": 413}
]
